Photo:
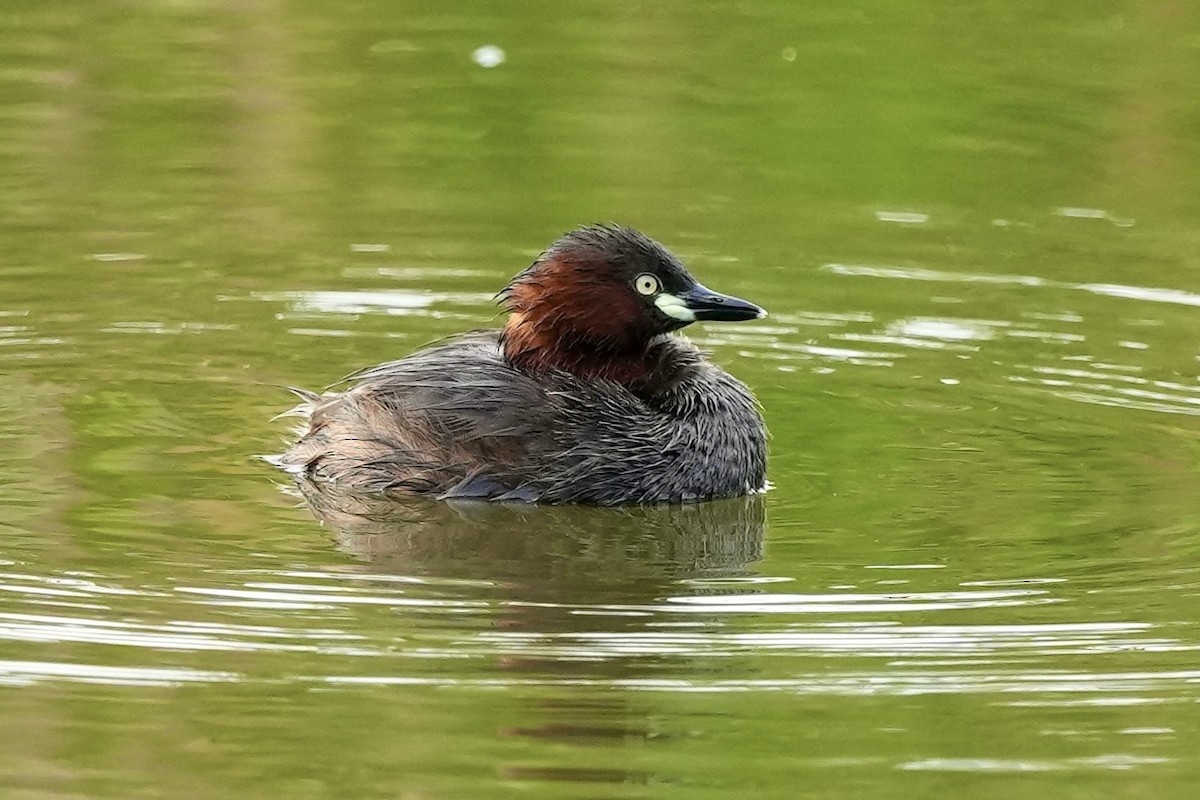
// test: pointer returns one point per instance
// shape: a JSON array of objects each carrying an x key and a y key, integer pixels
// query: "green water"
[{"x": 976, "y": 227}]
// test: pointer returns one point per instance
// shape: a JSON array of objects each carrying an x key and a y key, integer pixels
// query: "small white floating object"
[
  {"x": 369, "y": 248},
  {"x": 488, "y": 56},
  {"x": 950, "y": 381}
]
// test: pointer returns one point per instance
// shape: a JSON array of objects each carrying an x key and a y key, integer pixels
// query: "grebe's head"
[{"x": 595, "y": 300}]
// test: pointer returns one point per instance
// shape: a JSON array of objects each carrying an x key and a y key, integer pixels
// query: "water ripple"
[
  {"x": 1181, "y": 686},
  {"x": 1108, "y": 389},
  {"x": 861, "y": 639},
  {"x": 982, "y": 644},
  {"x": 300, "y": 596},
  {"x": 27, "y": 673},
  {"x": 859, "y": 603},
  {"x": 175, "y": 636},
  {"x": 393, "y": 302},
  {"x": 1113, "y": 761},
  {"x": 1149, "y": 294}
]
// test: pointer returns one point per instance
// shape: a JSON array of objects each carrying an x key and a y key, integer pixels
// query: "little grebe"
[{"x": 583, "y": 397}]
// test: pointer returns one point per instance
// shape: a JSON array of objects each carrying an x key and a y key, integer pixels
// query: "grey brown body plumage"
[{"x": 459, "y": 420}]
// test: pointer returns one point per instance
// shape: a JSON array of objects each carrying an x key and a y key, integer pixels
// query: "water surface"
[{"x": 976, "y": 232}]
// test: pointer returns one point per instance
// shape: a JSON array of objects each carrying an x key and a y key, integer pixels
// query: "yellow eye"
[{"x": 647, "y": 284}]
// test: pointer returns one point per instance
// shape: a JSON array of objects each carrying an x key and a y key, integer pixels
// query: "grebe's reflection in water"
[
  {"x": 560, "y": 604},
  {"x": 563, "y": 545}
]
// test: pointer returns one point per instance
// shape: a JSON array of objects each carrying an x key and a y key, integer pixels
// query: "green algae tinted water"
[{"x": 977, "y": 230}]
